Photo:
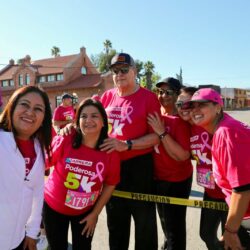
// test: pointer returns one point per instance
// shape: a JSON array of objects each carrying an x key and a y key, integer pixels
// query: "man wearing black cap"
[
  {"x": 64, "y": 113},
  {"x": 128, "y": 106}
]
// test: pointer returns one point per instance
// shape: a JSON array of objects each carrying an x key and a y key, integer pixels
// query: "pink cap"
[{"x": 207, "y": 94}]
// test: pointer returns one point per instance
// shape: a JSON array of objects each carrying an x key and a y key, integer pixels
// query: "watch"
[
  {"x": 130, "y": 144},
  {"x": 161, "y": 136}
]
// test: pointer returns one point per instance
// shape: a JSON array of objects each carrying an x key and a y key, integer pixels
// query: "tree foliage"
[
  {"x": 148, "y": 72},
  {"x": 55, "y": 51},
  {"x": 139, "y": 68},
  {"x": 107, "y": 46},
  {"x": 145, "y": 71},
  {"x": 102, "y": 60}
]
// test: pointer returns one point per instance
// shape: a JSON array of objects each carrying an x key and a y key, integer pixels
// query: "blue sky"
[{"x": 209, "y": 39}]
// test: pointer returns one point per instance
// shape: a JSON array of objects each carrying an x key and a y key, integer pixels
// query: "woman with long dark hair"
[
  {"x": 25, "y": 131},
  {"x": 82, "y": 181}
]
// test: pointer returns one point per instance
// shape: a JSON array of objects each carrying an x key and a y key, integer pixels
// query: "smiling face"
[
  {"x": 205, "y": 114},
  {"x": 91, "y": 121},
  {"x": 184, "y": 112},
  {"x": 167, "y": 98},
  {"x": 28, "y": 115}
]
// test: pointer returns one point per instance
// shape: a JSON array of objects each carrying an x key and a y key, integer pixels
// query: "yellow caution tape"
[{"x": 171, "y": 200}]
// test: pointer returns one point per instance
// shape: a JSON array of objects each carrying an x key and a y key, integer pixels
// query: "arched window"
[
  {"x": 83, "y": 70},
  {"x": 27, "y": 79},
  {"x": 20, "y": 80}
]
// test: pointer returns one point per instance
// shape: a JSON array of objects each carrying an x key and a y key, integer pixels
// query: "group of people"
[{"x": 130, "y": 139}]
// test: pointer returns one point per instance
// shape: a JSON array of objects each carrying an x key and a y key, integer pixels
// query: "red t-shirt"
[
  {"x": 231, "y": 157},
  {"x": 166, "y": 168},
  {"x": 27, "y": 149},
  {"x": 78, "y": 177},
  {"x": 201, "y": 143},
  {"x": 127, "y": 116},
  {"x": 62, "y": 113}
]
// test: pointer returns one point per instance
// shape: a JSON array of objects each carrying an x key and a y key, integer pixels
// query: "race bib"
[
  {"x": 79, "y": 200},
  {"x": 205, "y": 178}
]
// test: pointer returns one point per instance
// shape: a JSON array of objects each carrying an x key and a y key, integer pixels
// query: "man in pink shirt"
[
  {"x": 64, "y": 113},
  {"x": 127, "y": 106}
]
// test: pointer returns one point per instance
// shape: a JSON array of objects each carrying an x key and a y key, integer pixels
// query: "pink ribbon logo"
[
  {"x": 205, "y": 139},
  {"x": 99, "y": 171},
  {"x": 126, "y": 112}
]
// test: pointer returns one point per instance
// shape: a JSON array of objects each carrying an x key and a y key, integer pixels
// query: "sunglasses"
[
  {"x": 168, "y": 92},
  {"x": 183, "y": 105},
  {"x": 123, "y": 70}
]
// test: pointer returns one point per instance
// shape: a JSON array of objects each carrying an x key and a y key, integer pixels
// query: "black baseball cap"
[
  {"x": 122, "y": 58},
  {"x": 66, "y": 95},
  {"x": 173, "y": 83}
]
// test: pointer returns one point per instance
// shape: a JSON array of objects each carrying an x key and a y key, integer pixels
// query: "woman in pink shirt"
[
  {"x": 82, "y": 181},
  {"x": 230, "y": 160},
  {"x": 200, "y": 144}
]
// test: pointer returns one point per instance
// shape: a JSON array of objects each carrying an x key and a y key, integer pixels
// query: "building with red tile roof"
[{"x": 74, "y": 74}]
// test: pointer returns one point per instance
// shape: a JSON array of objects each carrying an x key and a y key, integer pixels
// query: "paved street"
[{"x": 100, "y": 241}]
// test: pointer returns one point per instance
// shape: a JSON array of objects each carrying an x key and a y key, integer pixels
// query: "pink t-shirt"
[
  {"x": 27, "y": 149},
  {"x": 127, "y": 116},
  {"x": 64, "y": 114},
  {"x": 78, "y": 177},
  {"x": 231, "y": 157},
  {"x": 201, "y": 144},
  {"x": 166, "y": 168}
]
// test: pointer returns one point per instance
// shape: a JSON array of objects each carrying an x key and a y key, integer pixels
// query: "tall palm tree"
[
  {"x": 107, "y": 46},
  {"x": 139, "y": 68},
  {"x": 179, "y": 76},
  {"x": 55, "y": 51},
  {"x": 148, "y": 72}
]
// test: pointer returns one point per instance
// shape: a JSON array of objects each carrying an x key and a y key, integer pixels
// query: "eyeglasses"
[
  {"x": 168, "y": 92},
  {"x": 183, "y": 105},
  {"x": 123, "y": 70}
]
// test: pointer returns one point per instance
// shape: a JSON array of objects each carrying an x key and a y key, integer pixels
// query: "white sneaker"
[{"x": 42, "y": 243}]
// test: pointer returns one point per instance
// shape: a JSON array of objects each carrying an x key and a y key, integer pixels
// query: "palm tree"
[
  {"x": 55, "y": 51},
  {"x": 179, "y": 76},
  {"x": 139, "y": 68},
  {"x": 107, "y": 46},
  {"x": 148, "y": 72}
]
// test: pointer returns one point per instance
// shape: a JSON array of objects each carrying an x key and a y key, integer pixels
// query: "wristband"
[
  {"x": 230, "y": 230},
  {"x": 129, "y": 143},
  {"x": 161, "y": 136}
]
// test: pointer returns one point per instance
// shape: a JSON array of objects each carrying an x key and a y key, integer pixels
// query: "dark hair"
[
  {"x": 43, "y": 134},
  {"x": 77, "y": 141},
  {"x": 189, "y": 90}
]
